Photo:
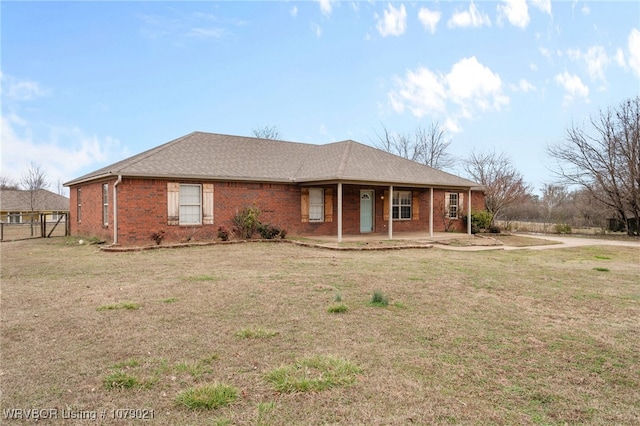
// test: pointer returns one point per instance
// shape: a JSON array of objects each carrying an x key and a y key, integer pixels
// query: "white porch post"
[
  {"x": 390, "y": 226},
  {"x": 469, "y": 214},
  {"x": 431, "y": 212},
  {"x": 339, "y": 212}
]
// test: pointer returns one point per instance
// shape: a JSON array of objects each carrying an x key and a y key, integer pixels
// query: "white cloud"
[
  {"x": 620, "y": 58},
  {"x": 516, "y": 12},
  {"x": 472, "y": 84},
  {"x": 21, "y": 90},
  {"x": 294, "y": 11},
  {"x": 469, "y": 88},
  {"x": 206, "y": 32},
  {"x": 573, "y": 87},
  {"x": 634, "y": 51},
  {"x": 545, "y": 52},
  {"x": 325, "y": 7},
  {"x": 469, "y": 18},
  {"x": 394, "y": 21},
  {"x": 585, "y": 10},
  {"x": 597, "y": 61},
  {"x": 429, "y": 19},
  {"x": 65, "y": 152},
  {"x": 595, "y": 58},
  {"x": 317, "y": 29},
  {"x": 543, "y": 5},
  {"x": 523, "y": 86},
  {"x": 422, "y": 90}
]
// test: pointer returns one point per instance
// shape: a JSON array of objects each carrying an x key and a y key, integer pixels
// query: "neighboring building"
[
  {"x": 189, "y": 187},
  {"x": 22, "y": 206}
]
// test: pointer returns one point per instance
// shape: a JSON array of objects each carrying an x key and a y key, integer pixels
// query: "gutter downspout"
[{"x": 115, "y": 210}]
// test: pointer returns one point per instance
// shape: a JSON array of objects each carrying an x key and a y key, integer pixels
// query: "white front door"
[{"x": 366, "y": 210}]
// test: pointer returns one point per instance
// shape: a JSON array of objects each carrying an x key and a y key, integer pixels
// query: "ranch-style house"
[{"x": 188, "y": 188}]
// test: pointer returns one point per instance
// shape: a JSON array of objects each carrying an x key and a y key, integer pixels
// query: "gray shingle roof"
[
  {"x": 201, "y": 155},
  {"x": 16, "y": 200}
]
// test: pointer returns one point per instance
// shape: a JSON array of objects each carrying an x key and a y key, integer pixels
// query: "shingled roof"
[
  {"x": 16, "y": 200},
  {"x": 201, "y": 155}
]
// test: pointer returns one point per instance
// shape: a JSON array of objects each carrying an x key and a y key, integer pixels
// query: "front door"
[{"x": 366, "y": 210}]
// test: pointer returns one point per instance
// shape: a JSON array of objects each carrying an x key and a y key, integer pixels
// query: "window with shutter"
[
  {"x": 401, "y": 205},
  {"x": 316, "y": 204}
]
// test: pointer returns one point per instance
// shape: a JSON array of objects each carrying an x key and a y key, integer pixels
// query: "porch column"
[
  {"x": 390, "y": 226},
  {"x": 469, "y": 214},
  {"x": 431, "y": 212},
  {"x": 339, "y": 212}
]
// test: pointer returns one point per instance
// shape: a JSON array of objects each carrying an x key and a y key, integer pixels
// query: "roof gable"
[{"x": 223, "y": 157}]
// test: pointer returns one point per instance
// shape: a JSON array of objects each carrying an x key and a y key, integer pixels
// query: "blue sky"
[{"x": 85, "y": 84}]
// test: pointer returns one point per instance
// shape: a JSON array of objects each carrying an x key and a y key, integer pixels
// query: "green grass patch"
[
  {"x": 207, "y": 396},
  {"x": 203, "y": 277},
  {"x": 337, "y": 308},
  {"x": 314, "y": 373},
  {"x": 121, "y": 380},
  {"x": 170, "y": 300},
  {"x": 601, "y": 269},
  {"x": 198, "y": 368},
  {"x": 255, "y": 333},
  {"x": 379, "y": 299},
  {"x": 603, "y": 257},
  {"x": 129, "y": 363},
  {"x": 121, "y": 305}
]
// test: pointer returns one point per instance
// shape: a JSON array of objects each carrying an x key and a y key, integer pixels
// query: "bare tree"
[
  {"x": 605, "y": 160},
  {"x": 426, "y": 145},
  {"x": 267, "y": 132},
  {"x": 7, "y": 183},
  {"x": 504, "y": 184},
  {"x": 553, "y": 199},
  {"x": 33, "y": 181}
]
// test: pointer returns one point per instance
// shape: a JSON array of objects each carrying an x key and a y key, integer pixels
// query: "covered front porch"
[{"x": 366, "y": 212}]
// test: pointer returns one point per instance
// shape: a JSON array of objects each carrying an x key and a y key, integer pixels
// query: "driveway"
[{"x": 562, "y": 242}]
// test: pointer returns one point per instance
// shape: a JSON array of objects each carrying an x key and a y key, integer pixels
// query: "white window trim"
[
  {"x": 399, "y": 205},
  {"x": 319, "y": 205},
  {"x": 79, "y": 205},
  {"x": 456, "y": 205},
  {"x": 180, "y": 205},
  {"x": 105, "y": 204}
]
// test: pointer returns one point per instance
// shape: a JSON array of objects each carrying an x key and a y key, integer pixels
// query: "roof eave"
[{"x": 179, "y": 177}]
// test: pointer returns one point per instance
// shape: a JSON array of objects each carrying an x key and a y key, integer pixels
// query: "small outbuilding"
[{"x": 188, "y": 188}]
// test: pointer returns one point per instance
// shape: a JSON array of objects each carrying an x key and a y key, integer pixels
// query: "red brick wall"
[
  {"x": 90, "y": 223},
  {"x": 142, "y": 210}
]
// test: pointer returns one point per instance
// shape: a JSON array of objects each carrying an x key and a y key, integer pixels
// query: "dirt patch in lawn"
[{"x": 503, "y": 337}]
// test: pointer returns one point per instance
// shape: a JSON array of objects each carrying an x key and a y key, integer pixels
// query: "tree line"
[{"x": 596, "y": 174}]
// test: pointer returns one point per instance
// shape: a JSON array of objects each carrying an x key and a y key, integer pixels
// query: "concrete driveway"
[{"x": 562, "y": 242}]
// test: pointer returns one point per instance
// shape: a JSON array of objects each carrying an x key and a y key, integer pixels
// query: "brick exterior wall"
[{"x": 142, "y": 210}]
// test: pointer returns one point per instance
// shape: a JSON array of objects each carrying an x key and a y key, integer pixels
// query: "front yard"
[{"x": 278, "y": 334}]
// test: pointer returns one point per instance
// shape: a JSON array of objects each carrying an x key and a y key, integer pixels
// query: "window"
[
  {"x": 15, "y": 217},
  {"x": 401, "y": 205},
  {"x": 190, "y": 204},
  {"x": 316, "y": 205},
  {"x": 105, "y": 204},
  {"x": 452, "y": 205},
  {"x": 79, "y": 199}
]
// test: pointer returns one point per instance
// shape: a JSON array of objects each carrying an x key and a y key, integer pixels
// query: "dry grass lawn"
[{"x": 498, "y": 337}]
